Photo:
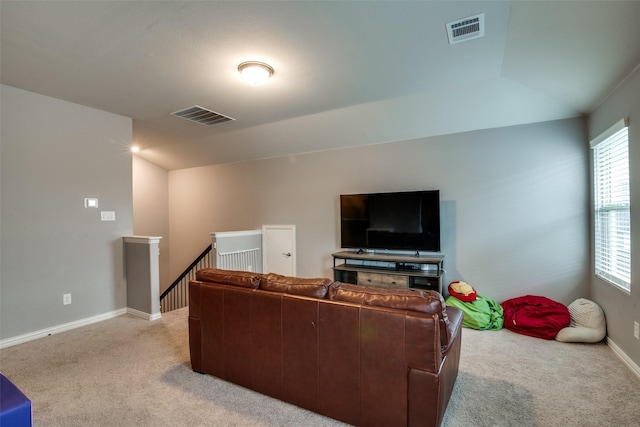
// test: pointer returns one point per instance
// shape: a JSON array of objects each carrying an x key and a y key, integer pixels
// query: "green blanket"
[{"x": 483, "y": 313}]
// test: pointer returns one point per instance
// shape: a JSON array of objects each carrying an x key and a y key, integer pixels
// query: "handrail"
[{"x": 175, "y": 296}]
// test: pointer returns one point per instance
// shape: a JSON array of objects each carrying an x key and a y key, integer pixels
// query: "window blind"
[{"x": 612, "y": 220}]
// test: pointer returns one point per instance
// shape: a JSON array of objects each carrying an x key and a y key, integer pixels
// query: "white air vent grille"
[
  {"x": 202, "y": 115},
  {"x": 465, "y": 29}
]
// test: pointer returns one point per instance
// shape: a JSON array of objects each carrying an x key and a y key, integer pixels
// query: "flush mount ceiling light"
[{"x": 255, "y": 72}]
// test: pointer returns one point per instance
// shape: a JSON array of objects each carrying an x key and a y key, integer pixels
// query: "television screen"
[{"x": 397, "y": 221}]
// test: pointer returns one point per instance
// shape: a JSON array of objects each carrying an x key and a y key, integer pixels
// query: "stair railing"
[{"x": 177, "y": 295}]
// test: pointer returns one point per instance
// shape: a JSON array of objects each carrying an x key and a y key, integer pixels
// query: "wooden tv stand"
[{"x": 389, "y": 270}]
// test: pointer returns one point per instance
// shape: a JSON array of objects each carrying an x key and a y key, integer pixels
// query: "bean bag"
[
  {"x": 588, "y": 323},
  {"x": 535, "y": 316},
  {"x": 482, "y": 313}
]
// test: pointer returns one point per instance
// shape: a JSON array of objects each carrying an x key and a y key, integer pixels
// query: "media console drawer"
[{"x": 379, "y": 280}]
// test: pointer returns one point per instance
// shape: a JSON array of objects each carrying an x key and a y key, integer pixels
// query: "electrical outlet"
[
  {"x": 66, "y": 299},
  {"x": 107, "y": 216},
  {"x": 636, "y": 330}
]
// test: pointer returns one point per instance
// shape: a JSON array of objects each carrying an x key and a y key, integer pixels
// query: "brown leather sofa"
[{"x": 364, "y": 356}]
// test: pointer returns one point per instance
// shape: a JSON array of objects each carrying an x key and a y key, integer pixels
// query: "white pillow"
[{"x": 587, "y": 323}]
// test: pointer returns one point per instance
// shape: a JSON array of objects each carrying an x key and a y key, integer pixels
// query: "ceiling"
[{"x": 347, "y": 73}]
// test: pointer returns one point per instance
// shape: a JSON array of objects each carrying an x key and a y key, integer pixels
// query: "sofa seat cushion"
[
  {"x": 315, "y": 288},
  {"x": 244, "y": 279},
  {"x": 401, "y": 299},
  {"x": 430, "y": 302}
]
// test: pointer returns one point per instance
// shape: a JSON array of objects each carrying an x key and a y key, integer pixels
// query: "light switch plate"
[
  {"x": 107, "y": 216},
  {"x": 90, "y": 202}
]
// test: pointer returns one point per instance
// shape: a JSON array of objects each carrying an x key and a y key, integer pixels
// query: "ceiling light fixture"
[{"x": 255, "y": 72}]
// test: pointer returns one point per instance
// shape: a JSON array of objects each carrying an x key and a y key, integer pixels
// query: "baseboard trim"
[
  {"x": 8, "y": 342},
  {"x": 623, "y": 356},
  {"x": 147, "y": 316}
]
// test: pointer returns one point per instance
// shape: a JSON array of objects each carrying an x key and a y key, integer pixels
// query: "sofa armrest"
[
  {"x": 429, "y": 392},
  {"x": 195, "y": 333},
  {"x": 456, "y": 316},
  {"x": 422, "y": 343}
]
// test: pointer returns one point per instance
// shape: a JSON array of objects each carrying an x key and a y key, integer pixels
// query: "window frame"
[{"x": 612, "y": 207}]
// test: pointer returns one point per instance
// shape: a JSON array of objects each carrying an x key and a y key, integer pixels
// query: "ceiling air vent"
[
  {"x": 466, "y": 29},
  {"x": 202, "y": 115}
]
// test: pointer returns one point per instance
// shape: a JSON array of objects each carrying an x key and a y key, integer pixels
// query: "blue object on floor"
[{"x": 15, "y": 408}]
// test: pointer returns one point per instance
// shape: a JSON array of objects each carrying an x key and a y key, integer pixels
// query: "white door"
[{"x": 279, "y": 249}]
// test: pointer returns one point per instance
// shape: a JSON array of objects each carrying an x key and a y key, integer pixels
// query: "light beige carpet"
[{"x": 132, "y": 372}]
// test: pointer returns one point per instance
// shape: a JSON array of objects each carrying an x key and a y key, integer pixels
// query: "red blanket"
[{"x": 535, "y": 316}]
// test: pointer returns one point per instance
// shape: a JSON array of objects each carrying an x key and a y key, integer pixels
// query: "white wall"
[
  {"x": 622, "y": 309},
  {"x": 151, "y": 210},
  {"x": 514, "y": 203},
  {"x": 54, "y": 154}
]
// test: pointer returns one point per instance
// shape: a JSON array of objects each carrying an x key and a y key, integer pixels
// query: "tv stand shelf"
[{"x": 389, "y": 270}]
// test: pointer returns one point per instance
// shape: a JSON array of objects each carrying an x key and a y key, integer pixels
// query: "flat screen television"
[{"x": 407, "y": 221}]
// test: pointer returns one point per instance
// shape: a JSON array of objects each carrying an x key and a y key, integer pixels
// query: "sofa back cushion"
[
  {"x": 424, "y": 301},
  {"x": 244, "y": 279},
  {"x": 315, "y": 288}
]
